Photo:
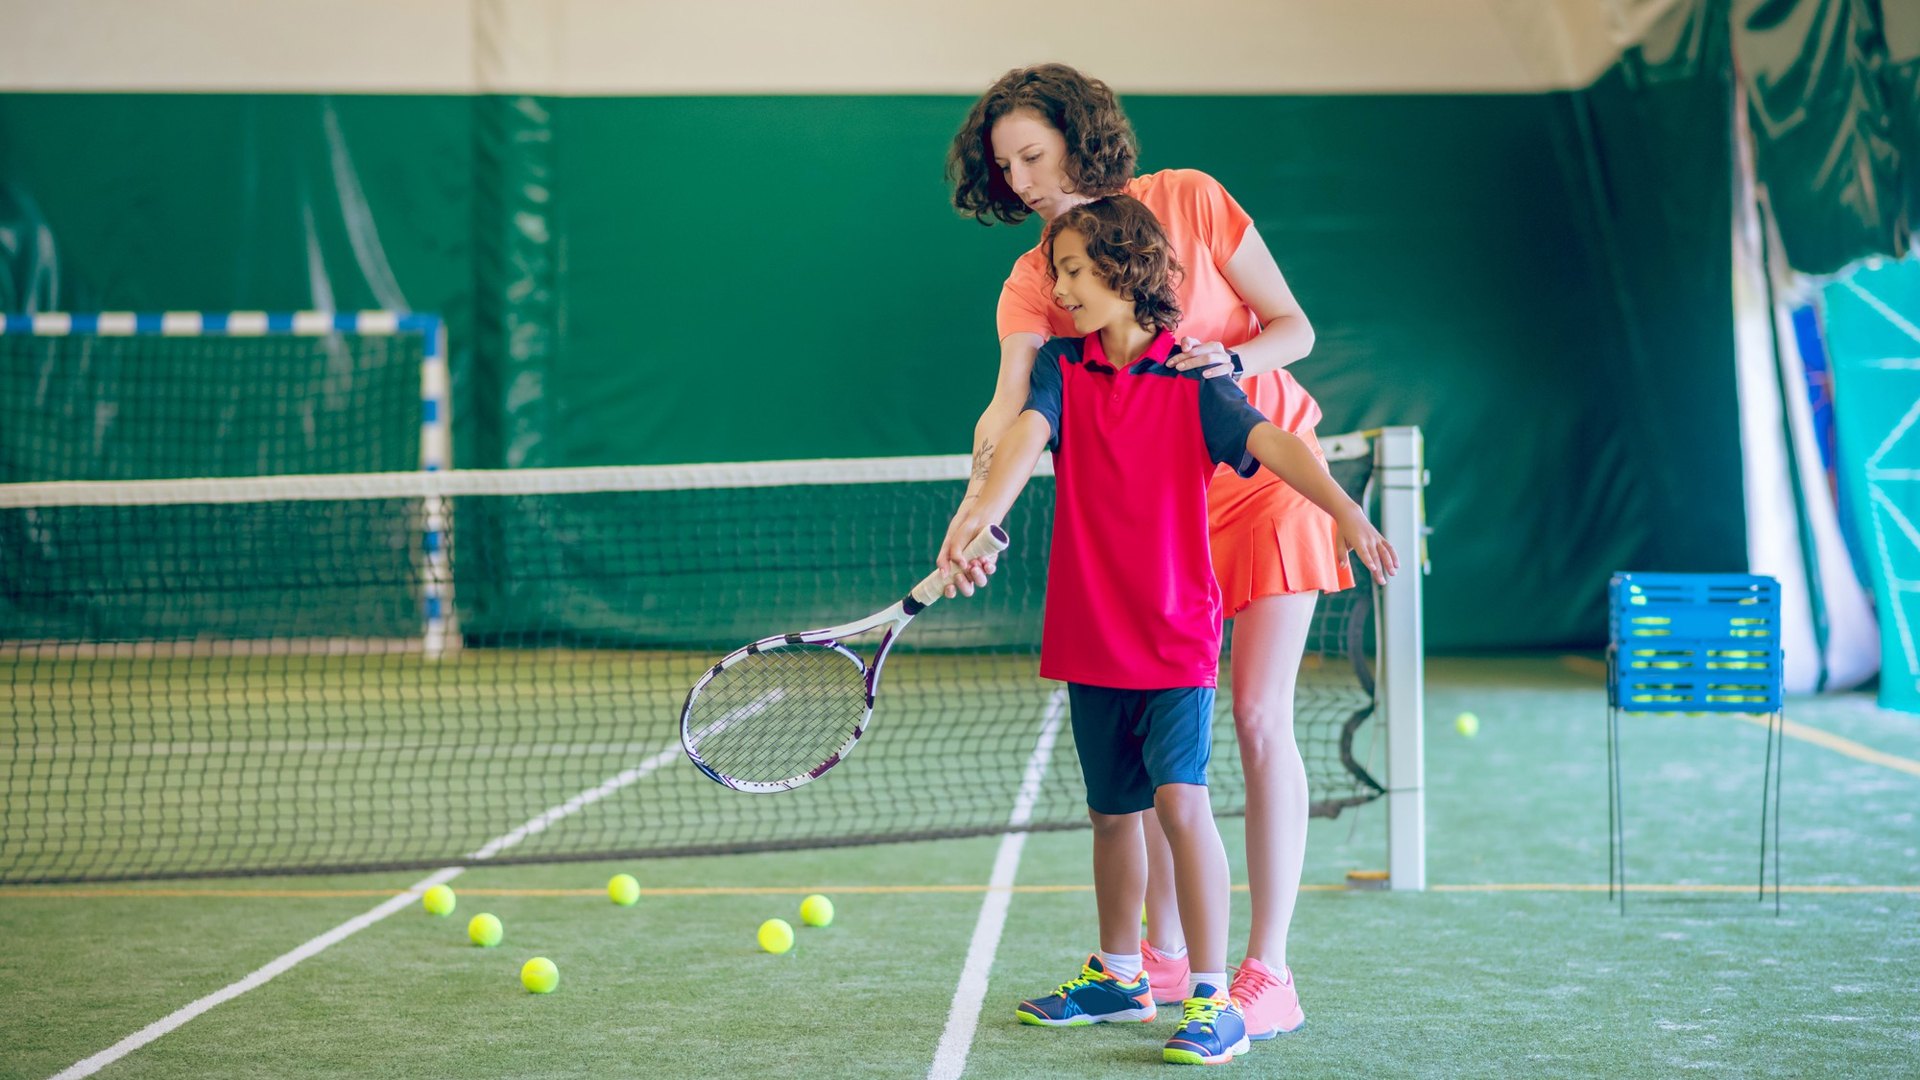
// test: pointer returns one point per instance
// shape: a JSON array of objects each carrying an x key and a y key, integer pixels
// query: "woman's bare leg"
[{"x": 1269, "y": 638}]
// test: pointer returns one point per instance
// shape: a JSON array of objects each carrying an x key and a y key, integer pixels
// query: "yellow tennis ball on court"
[
  {"x": 439, "y": 900},
  {"x": 539, "y": 975},
  {"x": 623, "y": 890},
  {"x": 816, "y": 910},
  {"x": 484, "y": 930},
  {"x": 1467, "y": 724},
  {"x": 776, "y": 936}
]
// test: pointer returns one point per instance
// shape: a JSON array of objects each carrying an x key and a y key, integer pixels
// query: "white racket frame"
[{"x": 990, "y": 541}]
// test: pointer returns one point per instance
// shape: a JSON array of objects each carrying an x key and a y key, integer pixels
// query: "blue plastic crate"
[{"x": 1688, "y": 643}]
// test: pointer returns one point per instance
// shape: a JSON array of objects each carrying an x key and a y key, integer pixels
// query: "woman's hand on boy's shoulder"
[{"x": 1214, "y": 359}]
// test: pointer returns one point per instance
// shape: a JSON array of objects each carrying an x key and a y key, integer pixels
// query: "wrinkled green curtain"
[
  {"x": 1539, "y": 280},
  {"x": 1833, "y": 96}
]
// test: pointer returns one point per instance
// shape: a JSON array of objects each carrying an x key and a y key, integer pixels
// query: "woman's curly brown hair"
[
  {"x": 1130, "y": 253},
  {"x": 1101, "y": 151}
]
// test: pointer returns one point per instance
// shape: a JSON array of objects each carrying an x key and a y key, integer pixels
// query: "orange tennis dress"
[{"x": 1267, "y": 539}]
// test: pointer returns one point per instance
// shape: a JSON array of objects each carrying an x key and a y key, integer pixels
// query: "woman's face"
[{"x": 1032, "y": 155}]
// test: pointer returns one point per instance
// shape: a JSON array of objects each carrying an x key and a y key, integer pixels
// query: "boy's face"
[{"x": 1077, "y": 287}]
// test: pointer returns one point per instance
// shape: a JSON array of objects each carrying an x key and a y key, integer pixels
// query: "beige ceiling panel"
[{"x": 654, "y": 47}]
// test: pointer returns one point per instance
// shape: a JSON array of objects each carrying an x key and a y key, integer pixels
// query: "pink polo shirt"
[{"x": 1131, "y": 598}]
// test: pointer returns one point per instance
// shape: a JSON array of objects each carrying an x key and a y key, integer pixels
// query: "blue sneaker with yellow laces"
[
  {"x": 1096, "y": 997},
  {"x": 1211, "y": 1031}
]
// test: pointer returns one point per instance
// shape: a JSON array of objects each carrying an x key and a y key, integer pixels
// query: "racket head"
[{"x": 778, "y": 713}]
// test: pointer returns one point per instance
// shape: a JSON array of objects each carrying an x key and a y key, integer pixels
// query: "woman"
[{"x": 1042, "y": 140}]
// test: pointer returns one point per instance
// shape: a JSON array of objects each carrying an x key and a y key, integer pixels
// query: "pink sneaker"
[
  {"x": 1271, "y": 1004},
  {"x": 1168, "y": 974}
]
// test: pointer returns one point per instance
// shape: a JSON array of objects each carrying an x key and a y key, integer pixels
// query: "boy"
[{"x": 1133, "y": 614}]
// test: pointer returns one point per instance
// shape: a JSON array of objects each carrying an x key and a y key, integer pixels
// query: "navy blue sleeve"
[
  {"x": 1226, "y": 419},
  {"x": 1043, "y": 387}
]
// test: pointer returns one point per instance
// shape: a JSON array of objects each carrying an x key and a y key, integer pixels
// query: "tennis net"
[{"x": 334, "y": 673}]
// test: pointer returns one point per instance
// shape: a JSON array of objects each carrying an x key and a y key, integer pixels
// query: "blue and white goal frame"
[{"x": 436, "y": 432}]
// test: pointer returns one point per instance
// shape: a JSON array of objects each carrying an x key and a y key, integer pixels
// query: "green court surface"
[{"x": 1513, "y": 963}]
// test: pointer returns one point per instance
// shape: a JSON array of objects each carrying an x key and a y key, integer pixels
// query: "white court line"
[
  {"x": 950, "y": 1059},
  {"x": 354, "y": 925},
  {"x": 339, "y": 933}
]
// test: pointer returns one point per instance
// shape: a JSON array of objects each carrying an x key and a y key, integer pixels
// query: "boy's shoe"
[
  {"x": 1269, "y": 1002},
  {"x": 1211, "y": 1031},
  {"x": 1096, "y": 997},
  {"x": 1168, "y": 974}
]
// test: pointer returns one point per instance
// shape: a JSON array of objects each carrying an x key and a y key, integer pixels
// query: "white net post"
[
  {"x": 436, "y": 454},
  {"x": 1401, "y": 473}
]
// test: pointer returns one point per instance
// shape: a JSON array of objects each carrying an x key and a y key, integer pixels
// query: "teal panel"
[{"x": 1875, "y": 343}]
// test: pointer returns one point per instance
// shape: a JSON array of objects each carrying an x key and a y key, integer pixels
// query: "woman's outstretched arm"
[{"x": 1009, "y": 398}]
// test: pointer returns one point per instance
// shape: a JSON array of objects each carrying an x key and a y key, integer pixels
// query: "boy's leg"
[
  {"x": 1212, "y": 1028},
  {"x": 1178, "y": 727},
  {"x": 1109, "y": 736},
  {"x": 1200, "y": 872},
  {"x": 1119, "y": 879},
  {"x": 1118, "y": 791}
]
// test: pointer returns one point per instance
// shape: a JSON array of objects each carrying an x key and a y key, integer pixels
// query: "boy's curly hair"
[
  {"x": 1130, "y": 253},
  {"x": 1101, "y": 150}
]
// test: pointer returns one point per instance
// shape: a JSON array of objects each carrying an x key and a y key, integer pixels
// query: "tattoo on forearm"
[{"x": 982, "y": 461}]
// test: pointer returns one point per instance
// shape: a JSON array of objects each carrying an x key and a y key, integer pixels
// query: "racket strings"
[{"x": 779, "y": 713}]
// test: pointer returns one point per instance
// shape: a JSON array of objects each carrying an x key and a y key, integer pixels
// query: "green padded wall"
[{"x": 1539, "y": 281}]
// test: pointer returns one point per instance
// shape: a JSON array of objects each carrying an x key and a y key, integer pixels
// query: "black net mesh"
[{"x": 237, "y": 687}]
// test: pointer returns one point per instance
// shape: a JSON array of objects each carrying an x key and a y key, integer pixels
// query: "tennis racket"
[{"x": 780, "y": 712}]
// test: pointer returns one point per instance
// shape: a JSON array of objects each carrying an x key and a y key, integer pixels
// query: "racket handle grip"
[{"x": 990, "y": 541}]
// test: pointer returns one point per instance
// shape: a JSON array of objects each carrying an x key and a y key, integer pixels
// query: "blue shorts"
[{"x": 1133, "y": 741}]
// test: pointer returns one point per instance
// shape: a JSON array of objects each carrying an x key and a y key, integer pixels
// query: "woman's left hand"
[{"x": 1210, "y": 356}]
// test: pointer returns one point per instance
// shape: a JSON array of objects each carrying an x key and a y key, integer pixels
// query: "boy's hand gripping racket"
[{"x": 781, "y": 711}]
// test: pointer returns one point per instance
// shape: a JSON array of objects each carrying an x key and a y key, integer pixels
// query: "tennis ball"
[
  {"x": 1467, "y": 724},
  {"x": 816, "y": 910},
  {"x": 776, "y": 936},
  {"x": 623, "y": 890},
  {"x": 484, "y": 930},
  {"x": 539, "y": 975},
  {"x": 439, "y": 900}
]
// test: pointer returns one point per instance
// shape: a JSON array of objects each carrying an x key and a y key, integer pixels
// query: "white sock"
[
  {"x": 1215, "y": 979},
  {"x": 1122, "y": 966},
  {"x": 1283, "y": 972},
  {"x": 1171, "y": 954}
]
